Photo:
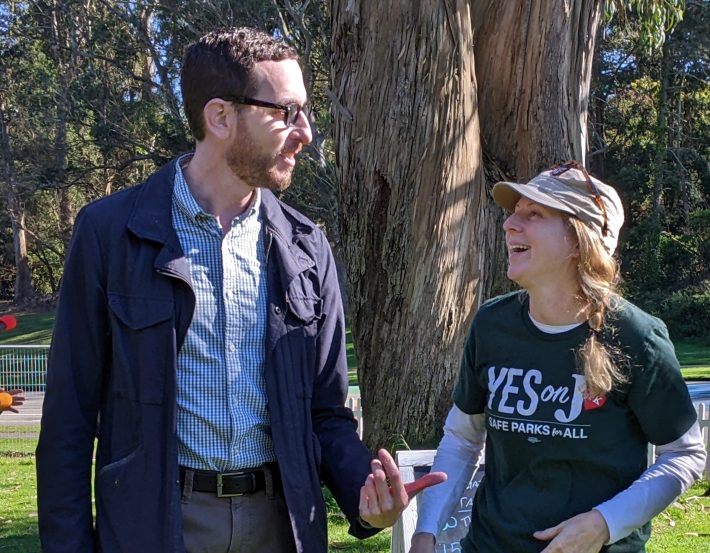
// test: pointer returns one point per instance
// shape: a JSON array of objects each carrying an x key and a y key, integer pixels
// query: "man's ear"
[{"x": 217, "y": 118}]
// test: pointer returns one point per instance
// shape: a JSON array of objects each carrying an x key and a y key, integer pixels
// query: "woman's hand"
[
  {"x": 585, "y": 533},
  {"x": 423, "y": 543}
]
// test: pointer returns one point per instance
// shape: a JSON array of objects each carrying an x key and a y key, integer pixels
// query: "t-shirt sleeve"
[
  {"x": 658, "y": 394},
  {"x": 469, "y": 395}
]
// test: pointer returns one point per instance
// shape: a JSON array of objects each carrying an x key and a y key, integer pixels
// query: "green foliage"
[
  {"x": 90, "y": 103},
  {"x": 687, "y": 313},
  {"x": 653, "y": 136},
  {"x": 655, "y": 18}
]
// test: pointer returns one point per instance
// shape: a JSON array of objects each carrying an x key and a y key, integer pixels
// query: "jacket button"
[{"x": 277, "y": 310}]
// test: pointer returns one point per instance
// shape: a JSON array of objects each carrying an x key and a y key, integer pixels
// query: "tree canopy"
[{"x": 417, "y": 109}]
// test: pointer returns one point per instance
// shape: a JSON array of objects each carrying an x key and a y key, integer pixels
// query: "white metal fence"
[
  {"x": 22, "y": 367},
  {"x": 25, "y": 367}
]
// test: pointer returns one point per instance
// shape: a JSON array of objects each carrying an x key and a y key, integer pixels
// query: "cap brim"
[{"x": 507, "y": 194}]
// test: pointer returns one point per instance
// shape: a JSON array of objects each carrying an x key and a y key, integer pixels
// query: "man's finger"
[
  {"x": 371, "y": 495},
  {"x": 426, "y": 481},
  {"x": 390, "y": 467},
  {"x": 364, "y": 505}
]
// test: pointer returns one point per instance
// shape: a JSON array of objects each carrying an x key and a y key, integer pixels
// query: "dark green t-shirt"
[{"x": 551, "y": 453}]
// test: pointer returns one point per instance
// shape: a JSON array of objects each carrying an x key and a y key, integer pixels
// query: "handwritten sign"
[{"x": 413, "y": 465}]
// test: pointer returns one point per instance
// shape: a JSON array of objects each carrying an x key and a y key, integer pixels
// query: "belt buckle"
[{"x": 220, "y": 483}]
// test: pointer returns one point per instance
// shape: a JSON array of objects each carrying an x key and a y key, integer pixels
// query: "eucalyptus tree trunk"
[
  {"x": 63, "y": 26},
  {"x": 24, "y": 291},
  {"x": 534, "y": 63},
  {"x": 422, "y": 238},
  {"x": 408, "y": 151}
]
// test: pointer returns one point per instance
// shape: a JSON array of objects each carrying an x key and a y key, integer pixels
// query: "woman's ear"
[{"x": 217, "y": 118}]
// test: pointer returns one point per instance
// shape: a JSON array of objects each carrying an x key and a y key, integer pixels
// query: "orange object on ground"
[{"x": 5, "y": 400}]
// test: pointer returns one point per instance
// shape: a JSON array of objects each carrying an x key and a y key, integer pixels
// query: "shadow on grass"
[{"x": 19, "y": 536}]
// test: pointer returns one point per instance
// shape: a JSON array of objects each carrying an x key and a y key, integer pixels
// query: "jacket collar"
[
  {"x": 151, "y": 219},
  {"x": 286, "y": 232},
  {"x": 148, "y": 219}
]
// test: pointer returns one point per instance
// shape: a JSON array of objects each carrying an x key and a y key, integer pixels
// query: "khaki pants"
[{"x": 244, "y": 524}]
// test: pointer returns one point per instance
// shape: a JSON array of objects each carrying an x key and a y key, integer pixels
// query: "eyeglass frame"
[
  {"x": 561, "y": 168},
  {"x": 288, "y": 109}
]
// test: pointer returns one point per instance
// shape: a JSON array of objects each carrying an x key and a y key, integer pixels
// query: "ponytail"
[{"x": 598, "y": 280}]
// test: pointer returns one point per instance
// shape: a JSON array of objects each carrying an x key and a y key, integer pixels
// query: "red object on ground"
[{"x": 7, "y": 323}]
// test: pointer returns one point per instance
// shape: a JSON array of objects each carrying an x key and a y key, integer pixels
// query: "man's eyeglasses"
[
  {"x": 557, "y": 170},
  {"x": 290, "y": 111}
]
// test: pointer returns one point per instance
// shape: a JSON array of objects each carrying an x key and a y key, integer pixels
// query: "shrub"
[{"x": 687, "y": 313}]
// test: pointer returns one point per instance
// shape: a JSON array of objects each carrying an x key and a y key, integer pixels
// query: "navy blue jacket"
[{"x": 124, "y": 308}]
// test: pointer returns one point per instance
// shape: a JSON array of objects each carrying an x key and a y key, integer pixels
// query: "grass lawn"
[
  {"x": 32, "y": 329},
  {"x": 694, "y": 359},
  {"x": 682, "y": 528},
  {"x": 696, "y": 373},
  {"x": 692, "y": 353}
]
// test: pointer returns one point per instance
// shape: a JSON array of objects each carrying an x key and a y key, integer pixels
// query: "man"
[{"x": 200, "y": 339}]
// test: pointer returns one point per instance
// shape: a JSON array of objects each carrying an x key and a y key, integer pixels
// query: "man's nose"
[{"x": 302, "y": 127}]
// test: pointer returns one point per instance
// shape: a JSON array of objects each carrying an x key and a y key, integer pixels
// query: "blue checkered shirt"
[{"x": 222, "y": 417}]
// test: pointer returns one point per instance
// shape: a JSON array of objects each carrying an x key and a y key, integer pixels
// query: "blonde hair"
[{"x": 598, "y": 277}]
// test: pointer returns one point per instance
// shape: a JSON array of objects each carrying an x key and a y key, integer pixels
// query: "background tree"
[
  {"x": 422, "y": 238},
  {"x": 652, "y": 139},
  {"x": 89, "y": 103}
]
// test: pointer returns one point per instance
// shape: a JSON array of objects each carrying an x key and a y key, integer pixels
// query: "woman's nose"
[{"x": 511, "y": 222}]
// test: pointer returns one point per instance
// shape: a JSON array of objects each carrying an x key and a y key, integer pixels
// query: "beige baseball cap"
[{"x": 569, "y": 188}]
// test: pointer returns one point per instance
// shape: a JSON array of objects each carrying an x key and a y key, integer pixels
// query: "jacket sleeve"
[
  {"x": 77, "y": 360},
  {"x": 345, "y": 461}
]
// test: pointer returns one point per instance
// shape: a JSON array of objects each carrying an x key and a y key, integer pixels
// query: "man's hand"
[
  {"x": 585, "y": 533},
  {"x": 384, "y": 496},
  {"x": 10, "y": 398}
]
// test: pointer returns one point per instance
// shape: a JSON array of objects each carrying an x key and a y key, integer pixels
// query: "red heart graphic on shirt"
[{"x": 594, "y": 403}]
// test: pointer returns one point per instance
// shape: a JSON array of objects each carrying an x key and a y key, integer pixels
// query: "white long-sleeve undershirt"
[{"x": 677, "y": 466}]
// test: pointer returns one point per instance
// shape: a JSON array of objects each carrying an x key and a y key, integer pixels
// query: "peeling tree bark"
[
  {"x": 534, "y": 63},
  {"x": 407, "y": 140}
]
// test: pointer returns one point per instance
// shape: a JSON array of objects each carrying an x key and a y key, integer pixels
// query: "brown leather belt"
[{"x": 231, "y": 484}]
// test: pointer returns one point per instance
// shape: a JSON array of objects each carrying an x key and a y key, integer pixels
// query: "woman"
[{"x": 566, "y": 383}]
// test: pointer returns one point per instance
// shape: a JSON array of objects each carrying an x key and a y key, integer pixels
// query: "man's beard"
[{"x": 256, "y": 167}]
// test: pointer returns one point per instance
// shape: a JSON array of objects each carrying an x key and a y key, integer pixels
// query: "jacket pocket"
[
  {"x": 143, "y": 347},
  {"x": 303, "y": 302},
  {"x": 124, "y": 511}
]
